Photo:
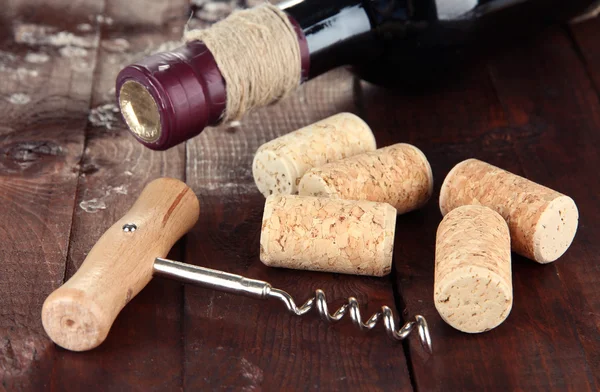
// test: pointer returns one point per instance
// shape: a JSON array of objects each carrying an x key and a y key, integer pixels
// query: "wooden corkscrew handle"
[{"x": 79, "y": 314}]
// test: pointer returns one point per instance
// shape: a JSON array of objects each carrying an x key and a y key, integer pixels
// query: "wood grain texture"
[
  {"x": 238, "y": 343},
  {"x": 512, "y": 119},
  {"x": 144, "y": 348},
  {"x": 553, "y": 92},
  {"x": 532, "y": 110},
  {"x": 38, "y": 178},
  {"x": 79, "y": 314}
]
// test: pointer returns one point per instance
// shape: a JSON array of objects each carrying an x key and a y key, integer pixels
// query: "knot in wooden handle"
[{"x": 78, "y": 315}]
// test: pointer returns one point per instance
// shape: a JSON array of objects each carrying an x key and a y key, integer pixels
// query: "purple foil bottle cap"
[{"x": 170, "y": 97}]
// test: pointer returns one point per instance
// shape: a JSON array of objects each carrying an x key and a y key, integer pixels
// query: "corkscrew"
[
  {"x": 79, "y": 315},
  {"x": 236, "y": 284}
]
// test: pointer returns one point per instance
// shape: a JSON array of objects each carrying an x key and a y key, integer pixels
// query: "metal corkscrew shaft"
[{"x": 237, "y": 284}]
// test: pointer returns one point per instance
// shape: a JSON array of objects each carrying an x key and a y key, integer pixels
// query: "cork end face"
[
  {"x": 265, "y": 233},
  {"x": 555, "y": 230},
  {"x": 429, "y": 172},
  {"x": 274, "y": 175},
  {"x": 473, "y": 300},
  {"x": 72, "y": 321},
  {"x": 312, "y": 184},
  {"x": 388, "y": 242}
]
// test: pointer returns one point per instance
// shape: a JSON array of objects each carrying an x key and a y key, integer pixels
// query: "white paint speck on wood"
[{"x": 19, "y": 99}]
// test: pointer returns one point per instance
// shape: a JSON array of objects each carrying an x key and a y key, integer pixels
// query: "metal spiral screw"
[
  {"x": 236, "y": 284},
  {"x": 352, "y": 307}
]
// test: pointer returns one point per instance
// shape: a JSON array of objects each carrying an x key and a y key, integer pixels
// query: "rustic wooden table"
[{"x": 68, "y": 169}]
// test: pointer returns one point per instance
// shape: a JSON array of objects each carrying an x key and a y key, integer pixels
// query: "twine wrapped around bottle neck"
[{"x": 258, "y": 54}]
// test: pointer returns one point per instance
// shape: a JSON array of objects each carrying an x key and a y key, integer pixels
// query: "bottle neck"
[
  {"x": 329, "y": 29},
  {"x": 170, "y": 97}
]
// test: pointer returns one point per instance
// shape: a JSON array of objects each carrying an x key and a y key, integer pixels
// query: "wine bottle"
[{"x": 170, "y": 97}]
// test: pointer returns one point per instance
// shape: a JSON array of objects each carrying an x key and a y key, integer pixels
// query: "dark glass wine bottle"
[{"x": 170, "y": 97}]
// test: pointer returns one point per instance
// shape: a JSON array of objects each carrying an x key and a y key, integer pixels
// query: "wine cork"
[
  {"x": 542, "y": 222},
  {"x": 473, "y": 284},
  {"x": 279, "y": 164},
  {"x": 333, "y": 235},
  {"x": 399, "y": 175}
]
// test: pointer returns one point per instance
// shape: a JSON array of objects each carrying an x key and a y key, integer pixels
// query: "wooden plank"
[
  {"x": 587, "y": 36},
  {"x": 553, "y": 92},
  {"x": 44, "y": 99},
  {"x": 144, "y": 349},
  {"x": 154, "y": 15},
  {"x": 239, "y": 343},
  {"x": 538, "y": 346}
]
